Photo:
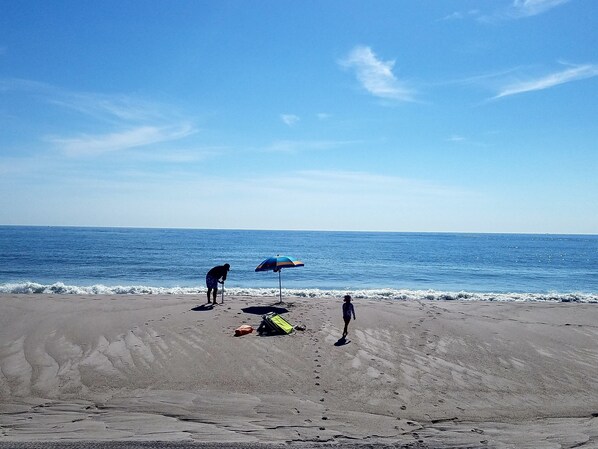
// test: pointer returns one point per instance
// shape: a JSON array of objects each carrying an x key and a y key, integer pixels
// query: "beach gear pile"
[{"x": 273, "y": 323}]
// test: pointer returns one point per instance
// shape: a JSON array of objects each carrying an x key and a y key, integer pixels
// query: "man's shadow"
[{"x": 203, "y": 308}]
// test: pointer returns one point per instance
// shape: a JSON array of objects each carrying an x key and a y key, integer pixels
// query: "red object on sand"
[{"x": 243, "y": 329}]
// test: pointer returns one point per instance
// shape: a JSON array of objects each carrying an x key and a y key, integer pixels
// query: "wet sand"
[{"x": 425, "y": 373}]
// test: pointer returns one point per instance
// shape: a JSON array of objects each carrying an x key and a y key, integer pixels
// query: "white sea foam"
[{"x": 372, "y": 294}]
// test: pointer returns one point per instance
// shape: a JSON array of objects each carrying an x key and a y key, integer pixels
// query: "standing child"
[{"x": 348, "y": 310}]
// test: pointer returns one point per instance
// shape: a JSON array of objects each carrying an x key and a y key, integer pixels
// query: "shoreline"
[
  {"x": 168, "y": 368},
  {"x": 403, "y": 294}
]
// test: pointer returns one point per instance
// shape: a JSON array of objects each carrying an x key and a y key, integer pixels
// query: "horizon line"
[{"x": 299, "y": 230}]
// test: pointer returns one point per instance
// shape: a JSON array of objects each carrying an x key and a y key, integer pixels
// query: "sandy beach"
[{"x": 169, "y": 368}]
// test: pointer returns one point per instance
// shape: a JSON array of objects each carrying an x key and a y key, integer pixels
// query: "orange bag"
[{"x": 243, "y": 329}]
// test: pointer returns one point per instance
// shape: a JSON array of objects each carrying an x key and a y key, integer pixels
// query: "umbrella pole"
[{"x": 279, "y": 287}]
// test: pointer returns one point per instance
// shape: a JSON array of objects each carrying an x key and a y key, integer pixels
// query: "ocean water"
[{"x": 443, "y": 266}]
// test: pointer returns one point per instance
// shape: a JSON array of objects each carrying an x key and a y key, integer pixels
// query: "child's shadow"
[{"x": 342, "y": 341}]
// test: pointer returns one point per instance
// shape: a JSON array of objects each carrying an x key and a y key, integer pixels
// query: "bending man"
[{"x": 213, "y": 278}]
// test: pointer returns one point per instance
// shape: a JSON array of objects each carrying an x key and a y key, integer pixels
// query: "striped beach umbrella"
[{"x": 276, "y": 264}]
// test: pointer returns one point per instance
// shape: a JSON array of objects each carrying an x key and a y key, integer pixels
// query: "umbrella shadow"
[
  {"x": 262, "y": 310},
  {"x": 203, "y": 308}
]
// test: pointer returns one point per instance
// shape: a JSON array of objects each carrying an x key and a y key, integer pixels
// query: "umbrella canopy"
[{"x": 276, "y": 264}]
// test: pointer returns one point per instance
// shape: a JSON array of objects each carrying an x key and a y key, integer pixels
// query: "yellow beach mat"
[{"x": 278, "y": 323}]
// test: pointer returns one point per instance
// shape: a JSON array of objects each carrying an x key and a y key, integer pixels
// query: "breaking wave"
[{"x": 371, "y": 294}]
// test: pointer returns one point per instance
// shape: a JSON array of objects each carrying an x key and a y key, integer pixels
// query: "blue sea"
[{"x": 402, "y": 266}]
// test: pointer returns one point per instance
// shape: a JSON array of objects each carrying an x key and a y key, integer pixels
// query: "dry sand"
[{"x": 168, "y": 368}]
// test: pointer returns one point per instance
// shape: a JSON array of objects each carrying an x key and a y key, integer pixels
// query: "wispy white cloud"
[
  {"x": 18, "y": 84},
  {"x": 376, "y": 76},
  {"x": 459, "y": 15},
  {"x": 289, "y": 119},
  {"x": 181, "y": 156},
  {"x": 518, "y": 9},
  {"x": 351, "y": 184},
  {"x": 460, "y": 140},
  {"x": 527, "y": 8},
  {"x": 456, "y": 138},
  {"x": 482, "y": 79},
  {"x": 91, "y": 145},
  {"x": 296, "y": 146},
  {"x": 109, "y": 108},
  {"x": 323, "y": 116},
  {"x": 554, "y": 79},
  {"x": 134, "y": 122},
  {"x": 356, "y": 178}
]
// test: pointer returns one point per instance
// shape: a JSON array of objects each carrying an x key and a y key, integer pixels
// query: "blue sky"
[{"x": 414, "y": 115}]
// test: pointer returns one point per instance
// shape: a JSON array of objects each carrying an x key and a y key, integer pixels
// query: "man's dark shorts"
[{"x": 211, "y": 282}]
